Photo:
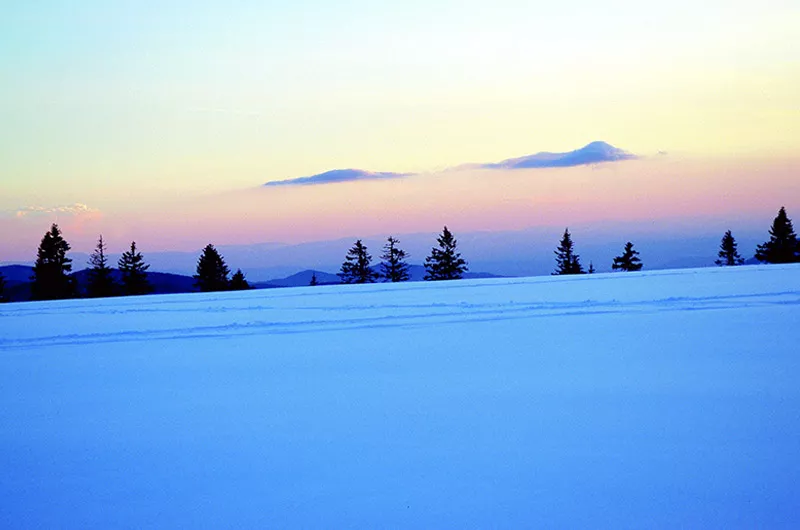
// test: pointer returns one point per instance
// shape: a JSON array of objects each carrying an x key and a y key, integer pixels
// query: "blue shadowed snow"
[{"x": 656, "y": 399}]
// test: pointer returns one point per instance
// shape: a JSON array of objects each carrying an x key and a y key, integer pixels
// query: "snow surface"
[{"x": 660, "y": 399}]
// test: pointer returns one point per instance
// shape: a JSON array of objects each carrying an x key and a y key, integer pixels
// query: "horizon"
[{"x": 517, "y": 253}]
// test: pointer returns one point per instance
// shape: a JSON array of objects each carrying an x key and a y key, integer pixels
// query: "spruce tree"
[
  {"x": 728, "y": 253},
  {"x": 394, "y": 267},
  {"x": 133, "y": 271},
  {"x": 567, "y": 262},
  {"x": 238, "y": 281},
  {"x": 51, "y": 278},
  {"x": 356, "y": 267},
  {"x": 313, "y": 281},
  {"x": 100, "y": 282},
  {"x": 445, "y": 263},
  {"x": 212, "y": 272},
  {"x": 629, "y": 261},
  {"x": 782, "y": 246}
]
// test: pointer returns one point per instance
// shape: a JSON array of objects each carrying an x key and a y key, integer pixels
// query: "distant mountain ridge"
[
  {"x": 303, "y": 278},
  {"x": 299, "y": 279},
  {"x": 18, "y": 282}
]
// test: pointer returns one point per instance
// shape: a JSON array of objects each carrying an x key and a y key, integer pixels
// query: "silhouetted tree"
[
  {"x": 629, "y": 261},
  {"x": 591, "y": 268},
  {"x": 238, "y": 281},
  {"x": 100, "y": 281},
  {"x": 51, "y": 278},
  {"x": 567, "y": 262},
  {"x": 212, "y": 273},
  {"x": 445, "y": 263},
  {"x": 133, "y": 271},
  {"x": 394, "y": 267},
  {"x": 728, "y": 254},
  {"x": 782, "y": 246},
  {"x": 356, "y": 268},
  {"x": 313, "y": 281},
  {"x": 2, "y": 288}
]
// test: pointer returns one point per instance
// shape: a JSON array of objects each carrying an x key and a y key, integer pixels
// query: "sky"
[{"x": 161, "y": 121}]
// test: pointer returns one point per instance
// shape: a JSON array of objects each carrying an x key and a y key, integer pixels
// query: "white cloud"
[{"x": 70, "y": 209}]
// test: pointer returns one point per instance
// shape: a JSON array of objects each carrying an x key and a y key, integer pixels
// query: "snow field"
[{"x": 643, "y": 400}]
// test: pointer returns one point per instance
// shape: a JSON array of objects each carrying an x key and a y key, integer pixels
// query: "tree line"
[
  {"x": 443, "y": 263},
  {"x": 52, "y": 278}
]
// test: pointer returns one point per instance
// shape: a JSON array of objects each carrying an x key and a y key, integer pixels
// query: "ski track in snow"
[{"x": 299, "y": 310}]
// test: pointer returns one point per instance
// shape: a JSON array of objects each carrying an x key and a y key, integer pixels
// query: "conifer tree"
[
  {"x": 629, "y": 261},
  {"x": 444, "y": 263},
  {"x": 133, "y": 271},
  {"x": 394, "y": 267},
  {"x": 51, "y": 278},
  {"x": 567, "y": 262},
  {"x": 313, "y": 281},
  {"x": 212, "y": 272},
  {"x": 356, "y": 267},
  {"x": 2, "y": 288},
  {"x": 100, "y": 282},
  {"x": 238, "y": 281},
  {"x": 783, "y": 246},
  {"x": 728, "y": 253}
]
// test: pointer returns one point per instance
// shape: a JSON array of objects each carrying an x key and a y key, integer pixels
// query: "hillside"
[
  {"x": 662, "y": 399},
  {"x": 18, "y": 282}
]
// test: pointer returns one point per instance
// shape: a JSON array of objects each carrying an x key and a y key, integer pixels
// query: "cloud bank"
[
  {"x": 593, "y": 153},
  {"x": 337, "y": 175}
]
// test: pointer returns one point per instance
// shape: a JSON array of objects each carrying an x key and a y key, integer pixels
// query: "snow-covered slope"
[{"x": 661, "y": 399}]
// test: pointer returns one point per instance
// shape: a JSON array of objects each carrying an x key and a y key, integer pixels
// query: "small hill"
[{"x": 299, "y": 279}]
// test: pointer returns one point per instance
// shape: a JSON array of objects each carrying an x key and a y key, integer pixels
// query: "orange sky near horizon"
[{"x": 649, "y": 194}]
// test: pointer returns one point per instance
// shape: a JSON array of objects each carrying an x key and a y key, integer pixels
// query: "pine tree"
[
  {"x": 238, "y": 281},
  {"x": 567, "y": 262},
  {"x": 782, "y": 246},
  {"x": 728, "y": 253},
  {"x": 394, "y": 267},
  {"x": 445, "y": 263},
  {"x": 51, "y": 279},
  {"x": 133, "y": 270},
  {"x": 313, "y": 281},
  {"x": 212, "y": 273},
  {"x": 355, "y": 268},
  {"x": 100, "y": 283},
  {"x": 629, "y": 261}
]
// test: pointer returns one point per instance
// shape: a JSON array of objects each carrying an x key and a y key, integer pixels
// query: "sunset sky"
[{"x": 161, "y": 121}]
